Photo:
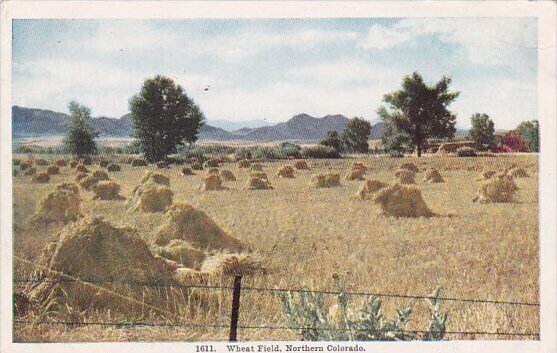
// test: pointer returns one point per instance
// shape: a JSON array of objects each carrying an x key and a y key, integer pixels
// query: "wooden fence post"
[{"x": 235, "y": 308}]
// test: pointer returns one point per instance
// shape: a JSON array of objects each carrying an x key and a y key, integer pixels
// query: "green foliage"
[
  {"x": 530, "y": 132},
  {"x": 164, "y": 117},
  {"x": 332, "y": 140},
  {"x": 420, "y": 111},
  {"x": 307, "y": 315},
  {"x": 355, "y": 135},
  {"x": 482, "y": 131},
  {"x": 319, "y": 151},
  {"x": 80, "y": 138},
  {"x": 395, "y": 141}
]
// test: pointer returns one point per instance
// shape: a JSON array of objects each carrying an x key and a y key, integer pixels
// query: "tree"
[
  {"x": 530, "y": 132},
  {"x": 80, "y": 138},
  {"x": 164, "y": 117},
  {"x": 332, "y": 139},
  {"x": 482, "y": 131},
  {"x": 395, "y": 141},
  {"x": 513, "y": 142},
  {"x": 355, "y": 135},
  {"x": 420, "y": 111}
]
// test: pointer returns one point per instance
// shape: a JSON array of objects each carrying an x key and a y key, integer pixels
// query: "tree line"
[{"x": 163, "y": 118}]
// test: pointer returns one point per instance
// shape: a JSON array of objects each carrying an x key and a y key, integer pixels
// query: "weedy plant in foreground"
[{"x": 307, "y": 315}]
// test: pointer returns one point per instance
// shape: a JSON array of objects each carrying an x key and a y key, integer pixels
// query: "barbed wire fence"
[{"x": 236, "y": 290}]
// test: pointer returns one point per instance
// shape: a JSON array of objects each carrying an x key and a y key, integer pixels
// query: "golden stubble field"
[{"x": 305, "y": 235}]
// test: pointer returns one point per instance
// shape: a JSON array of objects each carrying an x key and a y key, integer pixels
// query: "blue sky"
[{"x": 275, "y": 68}]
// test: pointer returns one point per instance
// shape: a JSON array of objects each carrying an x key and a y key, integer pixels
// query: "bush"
[
  {"x": 113, "y": 167},
  {"x": 319, "y": 152},
  {"x": 307, "y": 315},
  {"x": 243, "y": 153},
  {"x": 466, "y": 152},
  {"x": 287, "y": 150},
  {"x": 139, "y": 162}
]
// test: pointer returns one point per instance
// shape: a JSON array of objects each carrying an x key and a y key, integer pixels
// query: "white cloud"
[{"x": 380, "y": 37}]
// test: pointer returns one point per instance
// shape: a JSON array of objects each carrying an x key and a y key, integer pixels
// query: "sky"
[{"x": 275, "y": 68}]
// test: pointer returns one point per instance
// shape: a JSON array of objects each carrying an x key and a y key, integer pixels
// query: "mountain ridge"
[{"x": 301, "y": 127}]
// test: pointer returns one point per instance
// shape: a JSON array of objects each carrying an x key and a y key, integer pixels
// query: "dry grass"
[{"x": 306, "y": 234}]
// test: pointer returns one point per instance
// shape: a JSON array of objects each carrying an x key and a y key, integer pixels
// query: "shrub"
[
  {"x": 286, "y": 150},
  {"x": 103, "y": 163},
  {"x": 307, "y": 315},
  {"x": 243, "y": 153},
  {"x": 466, "y": 152},
  {"x": 162, "y": 164},
  {"x": 139, "y": 162},
  {"x": 113, "y": 167},
  {"x": 319, "y": 152}
]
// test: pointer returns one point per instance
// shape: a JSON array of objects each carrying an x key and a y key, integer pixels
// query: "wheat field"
[{"x": 305, "y": 235}]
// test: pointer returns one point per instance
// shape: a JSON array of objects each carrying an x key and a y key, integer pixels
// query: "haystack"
[
  {"x": 285, "y": 172},
  {"x": 260, "y": 175},
  {"x": 359, "y": 165},
  {"x": 81, "y": 169},
  {"x": 41, "y": 161},
  {"x": 150, "y": 197},
  {"x": 518, "y": 172},
  {"x": 187, "y": 171},
  {"x": 409, "y": 166},
  {"x": 255, "y": 183},
  {"x": 31, "y": 171},
  {"x": 215, "y": 171},
  {"x": 211, "y": 163},
  {"x": 432, "y": 175},
  {"x": 61, "y": 162},
  {"x": 325, "y": 180},
  {"x": 487, "y": 174},
  {"x": 74, "y": 164},
  {"x": 113, "y": 167},
  {"x": 184, "y": 222},
  {"x": 156, "y": 178},
  {"x": 227, "y": 175},
  {"x": 162, "y": 164},
  {"x": 196, "y": 165},
  {"x": 301, "y": 165},
  {"x": 60, "y": 205},
  {"x": 256, "y": 167},
  {"x": 497, "y": 189},
  {"x": 107, "y": 190},
  {"x": 53, "y": 169},
  {"x": 87, "y": 161},
  {"x": 88, "y": 182},
  {"x": 139, "y": 162},
  {"x": 211, "y": 182},
  {"x": 244, "y": 163},
  {"x": 80, "y": 176},
  {"x": 355, "y": 174},
  {"x": 100, "y": 175},
  {"x": 181, "y": 252},
  {"x": 93, "y": 250},
  {"x": 40, "y": 178},
  {"x": 405, "y": 176},
  {"x": 368, "y": 188},
  {"x": 245, "y": 264},
  {"x": 402, "y": 201}
]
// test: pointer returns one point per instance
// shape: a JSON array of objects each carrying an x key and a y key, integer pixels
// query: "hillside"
[{"x": 28, "y": 122}]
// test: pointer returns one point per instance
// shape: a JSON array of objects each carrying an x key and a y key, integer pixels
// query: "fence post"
[{"x": 235, "y": 308}]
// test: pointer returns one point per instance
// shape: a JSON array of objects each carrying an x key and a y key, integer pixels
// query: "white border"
[{"x": 547, "y": 93}]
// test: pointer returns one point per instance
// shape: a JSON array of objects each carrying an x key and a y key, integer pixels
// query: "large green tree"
[
  {"x": 80, "y": 138},
  {"x": 420, "y": 111},
  {"x": 164, "y": 117},
  {"x": 482, "y": 131},
  {"x": 355, "y": 134},
  {"x": 530, "y": 132}
]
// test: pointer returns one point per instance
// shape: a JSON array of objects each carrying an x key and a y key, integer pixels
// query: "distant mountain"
[
  {"x": 230, "y": 126},
  {"x": 302, "y": 127}
]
